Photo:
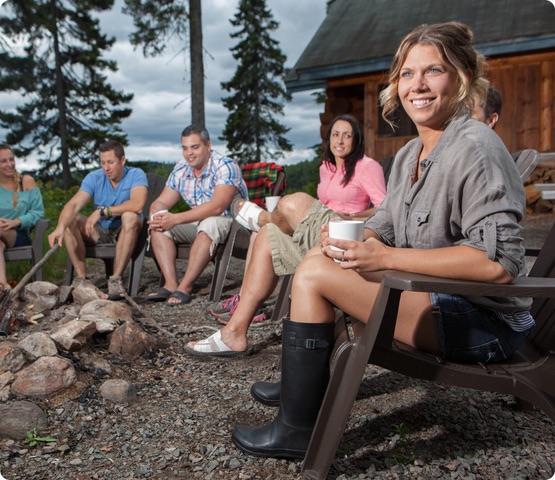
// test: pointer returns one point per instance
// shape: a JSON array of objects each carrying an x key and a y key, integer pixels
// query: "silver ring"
[{"x": 343, "y": 255}]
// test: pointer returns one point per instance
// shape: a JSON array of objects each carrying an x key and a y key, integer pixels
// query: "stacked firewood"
[{"x": 543, "y": 173}]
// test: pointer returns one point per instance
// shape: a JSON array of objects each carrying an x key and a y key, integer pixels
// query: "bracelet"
[{"x": 109, "y": 209}]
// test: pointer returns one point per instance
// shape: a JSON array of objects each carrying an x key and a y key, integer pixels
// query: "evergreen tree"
[
  {"x": 54, "y": 61},
  {"x": 156, "y": 22},
  {"x": 257, "y": 87}
]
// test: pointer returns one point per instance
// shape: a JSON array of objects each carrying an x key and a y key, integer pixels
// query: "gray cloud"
[{"x": 161, "y": 86}]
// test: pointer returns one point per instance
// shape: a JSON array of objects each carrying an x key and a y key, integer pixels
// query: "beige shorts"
[
  {"x": 287, "y": 251},
  {"x": 217, "y": 228}
]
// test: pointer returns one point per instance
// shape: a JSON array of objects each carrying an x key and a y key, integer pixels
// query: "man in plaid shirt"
[{"x": 207, "y": 182}]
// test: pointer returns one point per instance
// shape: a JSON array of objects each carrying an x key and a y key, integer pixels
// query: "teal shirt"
[{"x": 29, "y": 208}]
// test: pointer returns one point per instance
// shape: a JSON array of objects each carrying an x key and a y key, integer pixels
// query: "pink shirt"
[{"x": 367, "y": 187}]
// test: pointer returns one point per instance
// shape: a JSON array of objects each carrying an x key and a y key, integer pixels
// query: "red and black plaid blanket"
[{"x": 261, "y": 179}]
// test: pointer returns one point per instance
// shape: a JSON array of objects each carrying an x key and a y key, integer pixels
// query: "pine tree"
[
  {"x": 257, "y": 88},
  {"x": 54, "y": 61},
  {"x": 156, "y": 22}
]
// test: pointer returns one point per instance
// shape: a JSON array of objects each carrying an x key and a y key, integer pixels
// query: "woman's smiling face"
[
  {"x": 7, "y": 162},
  {"x": 427, "y": 86},
  {"x": 341, "y": 139}
]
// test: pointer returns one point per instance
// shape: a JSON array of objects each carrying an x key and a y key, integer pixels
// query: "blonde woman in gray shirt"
[{"x": 452, "y": 209}]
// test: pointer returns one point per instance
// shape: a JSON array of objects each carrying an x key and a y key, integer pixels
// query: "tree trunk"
[
  {"x": 61, "y": 101},
  {"x": 197, "y": 64}
]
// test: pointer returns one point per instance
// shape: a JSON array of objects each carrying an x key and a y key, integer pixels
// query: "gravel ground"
[{"x": 400, "y": 428}]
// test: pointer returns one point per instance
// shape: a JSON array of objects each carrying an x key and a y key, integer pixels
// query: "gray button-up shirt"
[{"x": 469, "y": 193}]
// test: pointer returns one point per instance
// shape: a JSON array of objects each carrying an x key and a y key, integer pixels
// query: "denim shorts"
[
  {"x": 22, "y": 238},
  {"x": 468, "y": 333}
]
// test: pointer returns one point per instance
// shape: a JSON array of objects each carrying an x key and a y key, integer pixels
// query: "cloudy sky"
[{"x": 161, "y": 85}]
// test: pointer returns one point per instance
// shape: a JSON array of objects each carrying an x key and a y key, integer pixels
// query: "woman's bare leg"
[
  {"x": 7, "y": 239},
  {"x": 289, "y": 212},
  {"x": 320, "y": 284},
  {"x": 260, "y": 281}
]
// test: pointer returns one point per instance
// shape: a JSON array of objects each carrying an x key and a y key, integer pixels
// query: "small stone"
[{"x": 119, "y": 391}]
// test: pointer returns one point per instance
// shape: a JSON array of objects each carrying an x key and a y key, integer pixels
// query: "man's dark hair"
[
  {"x": 114, "y": 145},
  {"x": 196, "y": 130},
  {"x": 5, "y": 146},
  {"x": 494, "y": 102}
]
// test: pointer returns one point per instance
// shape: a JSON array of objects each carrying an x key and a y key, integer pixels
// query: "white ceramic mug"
[
  {"x": 345, "y": 230},
  {"x": 271, "y": 203}
]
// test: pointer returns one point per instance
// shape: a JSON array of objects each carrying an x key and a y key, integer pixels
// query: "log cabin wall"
[
  {"x": 526, "y": 83},
  {"x": 527, "y": 120}
]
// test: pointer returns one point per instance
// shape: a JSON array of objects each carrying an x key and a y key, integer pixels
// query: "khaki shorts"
[
  {"x": 287, "y": 252},
  {"x": 217, "y": 228}
]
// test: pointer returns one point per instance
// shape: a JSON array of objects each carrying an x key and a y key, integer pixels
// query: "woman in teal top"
[{"x": 20, "y": 206}]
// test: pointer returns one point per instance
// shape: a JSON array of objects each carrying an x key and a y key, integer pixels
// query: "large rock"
[
  {"x": 86, "y": 292},
  {"x": 37, "y": 345},
  {"x": 95, "y": 364},
  {"x": 119, "y": 391},
  {"x": 46, "y": 376},
  {"x": 12, "y": 358},
  {"x": 107, "y": 308},
  {"x": 5, "y": 380},
  {"x": 41, "y": 296},
  {"x": 106, "y": 314},
  {"x": 18, "y": 418},
  {"x": 73, "y": 335},
  {"x": 130, "y": 341}
]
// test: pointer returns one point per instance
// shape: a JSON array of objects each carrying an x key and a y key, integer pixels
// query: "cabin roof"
[{"x": 361, "y": 36}]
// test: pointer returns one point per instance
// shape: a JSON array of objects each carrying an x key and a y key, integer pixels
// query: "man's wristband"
[{"x": 109, "y": 210}]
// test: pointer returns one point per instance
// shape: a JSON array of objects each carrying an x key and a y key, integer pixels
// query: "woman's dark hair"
[{"x": 355, "y": 154}]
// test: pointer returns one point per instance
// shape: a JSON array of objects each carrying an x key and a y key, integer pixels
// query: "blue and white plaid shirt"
[{"x": 219, "y": 170}]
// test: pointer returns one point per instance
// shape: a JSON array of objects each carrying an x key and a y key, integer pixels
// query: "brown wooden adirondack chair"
[
  {"x": 529, "y": 375},
  {"x": 237, "y": 241},
  {"x": 107, "y": 251},
  {"x": 31, "y": 252},
  {"x": 526, "y": 161}
]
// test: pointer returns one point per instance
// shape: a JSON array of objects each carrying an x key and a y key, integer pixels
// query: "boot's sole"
[
  {"x": 264, "y": 401},
  {"x": 273, "y": 453}
]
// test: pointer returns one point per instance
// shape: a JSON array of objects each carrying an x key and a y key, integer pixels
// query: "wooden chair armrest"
[
  {"x": 520, "y": 287},
  {"x": 532, "y": 251},
  {"x": 41, "y": 227}
]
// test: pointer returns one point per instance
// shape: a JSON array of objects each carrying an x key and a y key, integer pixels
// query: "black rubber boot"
[
  {"x": 306, "y": 350},
  {"x": 267, "y": 393}
]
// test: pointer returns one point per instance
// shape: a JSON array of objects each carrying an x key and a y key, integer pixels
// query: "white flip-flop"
[{"x": 213, "y": 346}]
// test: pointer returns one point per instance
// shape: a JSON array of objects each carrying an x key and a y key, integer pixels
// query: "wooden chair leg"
[
  {"x": 283, "y": 302},
  {"x": 347, "y": 370}
]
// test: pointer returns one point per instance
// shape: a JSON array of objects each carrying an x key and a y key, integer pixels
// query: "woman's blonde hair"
[
  {"x": 16, "y": 176},
  {"x": 453, "y": 41}
]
